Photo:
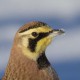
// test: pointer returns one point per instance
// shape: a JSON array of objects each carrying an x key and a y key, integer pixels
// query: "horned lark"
[{"x": 27, "y": 60}]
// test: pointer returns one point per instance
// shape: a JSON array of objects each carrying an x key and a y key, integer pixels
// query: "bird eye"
[{"x": 34, "y": 34}]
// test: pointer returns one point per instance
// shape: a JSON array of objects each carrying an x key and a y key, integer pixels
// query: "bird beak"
[{"x": 57, "y": 32}]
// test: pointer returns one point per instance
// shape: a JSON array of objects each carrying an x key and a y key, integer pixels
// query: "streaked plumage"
[{"x": 27, "y": 60}]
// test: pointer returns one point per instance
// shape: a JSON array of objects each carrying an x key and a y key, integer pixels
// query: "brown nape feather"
[{"x": 22, "y": 68}]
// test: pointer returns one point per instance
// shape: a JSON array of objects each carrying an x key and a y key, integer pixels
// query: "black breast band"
[{"x": 42, "y": 61}]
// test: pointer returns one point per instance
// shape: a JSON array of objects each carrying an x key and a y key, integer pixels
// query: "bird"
[{"x": 27, "y": 59}]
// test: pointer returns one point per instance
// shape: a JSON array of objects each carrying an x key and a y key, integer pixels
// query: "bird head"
[{"x": 34, "y": 37}]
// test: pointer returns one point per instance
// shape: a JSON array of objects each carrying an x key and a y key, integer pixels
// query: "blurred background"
[{"x": 64, "y": 52}]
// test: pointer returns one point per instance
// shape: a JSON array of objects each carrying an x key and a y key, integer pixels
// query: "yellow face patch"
[
  {"x": 29, "y": 54},
  {"x": 40, "y": 45}
]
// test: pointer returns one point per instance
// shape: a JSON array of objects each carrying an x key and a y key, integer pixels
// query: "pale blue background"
[{"x": 64, "y": 52}]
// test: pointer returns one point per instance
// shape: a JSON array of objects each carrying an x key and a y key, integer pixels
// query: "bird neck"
[
  {"x": 22, "y": 68},
  {"x": 19, "y": 65}
]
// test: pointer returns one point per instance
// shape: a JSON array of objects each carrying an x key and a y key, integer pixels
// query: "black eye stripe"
[
  {"x": 33, "y": 42},
  {"x": 41, "y": 35},
  {"x": 51, "y": 31}
]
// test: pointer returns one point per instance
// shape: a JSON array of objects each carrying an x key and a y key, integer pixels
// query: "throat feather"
[{"x": 42, "y": 61}]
